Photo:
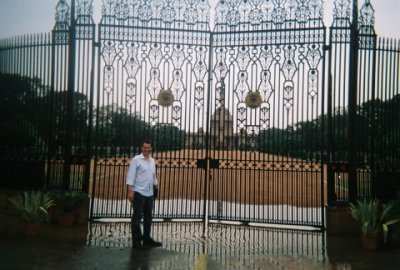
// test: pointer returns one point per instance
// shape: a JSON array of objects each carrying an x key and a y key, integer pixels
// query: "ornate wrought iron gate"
[
  {"x": 268, "y": 72},
  {"x": 153, "y": 64},
  {"x": 245, "y": 122},
  {"x": 214, "y": 103}
]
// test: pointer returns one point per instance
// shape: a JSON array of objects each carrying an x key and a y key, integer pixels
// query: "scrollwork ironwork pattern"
[
  {"x": 166, "y": 67},
  {"x": 242, "y": 58},
  {"x": 85, "y": 27},
  {"x": 220, "y": 71},
  {"x": 366, "y": 26},
  {"x": 342, "y": 12},
  {"x": 84, "y": 8},
  {"x": 109, "y": 53},
  {"x": 200, "y": 72},
  {"x": 367, "y": 17},
  {"x": 284, "y": 54},
  {"x": 165, "y": 12},
  {"x": 265, "y": 87},
  {"x": 61, "y": 35},
  {"x": 288, "y": 69},
  {"x": 258, "y": 13},
  {"x": 108, "y": 8},
  {"x": 132, "y": 66},
  {"x": 251, "y": 135},
  {"x": 178, "y": 57},
  {"x": 314, "y": 56},
  {"x": 290, "y": 61},
  {"x": 62, "y": 13}
]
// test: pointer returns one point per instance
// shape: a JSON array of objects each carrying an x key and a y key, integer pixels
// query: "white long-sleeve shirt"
[{"x": 142, "y": 175}]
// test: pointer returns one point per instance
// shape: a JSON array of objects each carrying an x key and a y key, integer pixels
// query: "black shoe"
[
  {"x": 138, "y": 245},
  {"x": 151, "y": 242}
]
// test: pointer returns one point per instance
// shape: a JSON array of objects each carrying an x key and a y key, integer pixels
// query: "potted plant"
[
  {"x": 32, "y": 206},
  {"x": 82, "y": 209},
  {"x": 390, "y": 217},
  {"x": 67, "y": 204},
  {"x": 367, "y": 213},
  {"x": 374, "y": 220}
]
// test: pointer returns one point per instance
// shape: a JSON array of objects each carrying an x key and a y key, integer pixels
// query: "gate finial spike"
[
  {"x": 367, "y": 14},
  {"x": 84, "y": 7},
  {"x": 62, "y": 16}
]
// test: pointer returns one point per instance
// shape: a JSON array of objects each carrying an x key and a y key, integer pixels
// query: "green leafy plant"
[
  {"x": 390, "y": 216},
  {"x": 33, "y": 205},
  {"x": 375, "y": 217},
  {"x": 367, "y": 213},
  {"x": 68, "y": 200}
]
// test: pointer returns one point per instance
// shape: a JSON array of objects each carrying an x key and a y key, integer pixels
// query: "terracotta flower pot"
[
  {"x": 370, "y": 242},
  {"x": 65, "y": 219},
  {"x": 82, "y": 211},
  {"x": 31, "y": 228},
  {"x": 52, "y": 213}
]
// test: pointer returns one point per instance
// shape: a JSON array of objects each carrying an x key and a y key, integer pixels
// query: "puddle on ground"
[
  {"x": 227, "y": 246},
  {"x": 107, "y": 245}
]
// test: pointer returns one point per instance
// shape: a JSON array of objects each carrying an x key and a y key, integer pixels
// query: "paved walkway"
[{"x": 101, "y": 245}]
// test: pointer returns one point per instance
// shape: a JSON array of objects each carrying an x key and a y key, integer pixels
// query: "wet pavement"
[{"x": 106, "y": 245}]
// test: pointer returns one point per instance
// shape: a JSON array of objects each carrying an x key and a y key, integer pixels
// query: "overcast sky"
[{"x": 19, "y": 17}]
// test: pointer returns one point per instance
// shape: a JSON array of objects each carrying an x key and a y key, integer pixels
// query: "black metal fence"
[
  {"x": 363, "y": 146},
  {"x": 266, "y": 118}
]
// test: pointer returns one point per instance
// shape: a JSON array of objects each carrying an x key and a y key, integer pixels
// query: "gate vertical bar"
[
  {"x": 89, "y": 139},
  {"x": 374, "y": 124},
  {"x": 366, "y": 128},
  {"x": 96, "y": 57},
  {"x": 329, "y": 138},
  {"x": 324, "y": 156},
  {"x": 51, "y": 147},
  {"x": 70, "y": 99},
  {"x": 352, "y": 106},
  {"x": 207, "y": 174}
]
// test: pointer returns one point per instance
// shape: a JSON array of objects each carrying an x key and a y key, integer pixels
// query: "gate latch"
[{"x": 202, "y": 163}]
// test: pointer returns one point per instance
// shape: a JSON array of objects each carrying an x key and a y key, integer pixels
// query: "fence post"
[
  {"x": 207, "y": 142},
  {"x": 352, "y": 99},
  {"x": 374, "y": 129},
  {"x": 70, "y": 98},
  {"x": 50, "y": 129},
  {"x": 329, "y": 138}
]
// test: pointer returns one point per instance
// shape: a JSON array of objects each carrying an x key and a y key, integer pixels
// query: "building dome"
[{"x": 222, "y": 114}]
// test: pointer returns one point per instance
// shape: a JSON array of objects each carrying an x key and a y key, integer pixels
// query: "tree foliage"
[
  {"x": 31, "y": 115},
  {"x": 377, "y": 134}
]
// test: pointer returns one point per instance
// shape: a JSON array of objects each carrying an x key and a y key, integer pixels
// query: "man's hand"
[{"x": 131, "y": 195}]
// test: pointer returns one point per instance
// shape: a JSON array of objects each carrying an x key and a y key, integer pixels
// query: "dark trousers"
[{"x": 142, "y": 206}]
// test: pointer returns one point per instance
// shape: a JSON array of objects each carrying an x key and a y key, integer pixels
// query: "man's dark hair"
[{"x": 146, "y": 141}]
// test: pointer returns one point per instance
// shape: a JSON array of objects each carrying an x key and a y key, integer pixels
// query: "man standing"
[{"x": 142, "y": 182}]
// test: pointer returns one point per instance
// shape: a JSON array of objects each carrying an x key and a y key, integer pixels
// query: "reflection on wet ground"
[
  {"x": 233, "y": 247},
  {"x": 106, "y": 245}
]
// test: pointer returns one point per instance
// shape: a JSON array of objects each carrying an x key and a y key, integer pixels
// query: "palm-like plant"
[
  {"x": 68, "y": 200},
  {"x": 374, "y": 217},
  {"x": 368, "y": 214},
  {"x": 390, "y": 216},
  {"x": 33, "y": 205}
]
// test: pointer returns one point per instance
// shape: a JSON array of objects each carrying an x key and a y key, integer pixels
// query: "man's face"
[{"x": 146, "y": 149}]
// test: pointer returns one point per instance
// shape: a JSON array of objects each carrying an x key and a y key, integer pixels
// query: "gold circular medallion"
[
  {"x": 165, "y": 98},
  {"x": 253, "y": 100}
]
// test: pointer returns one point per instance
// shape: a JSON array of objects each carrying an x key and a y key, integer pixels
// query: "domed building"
[
  {"x": 221, "y": 129},
  {"x": 221, "y": 132}
]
